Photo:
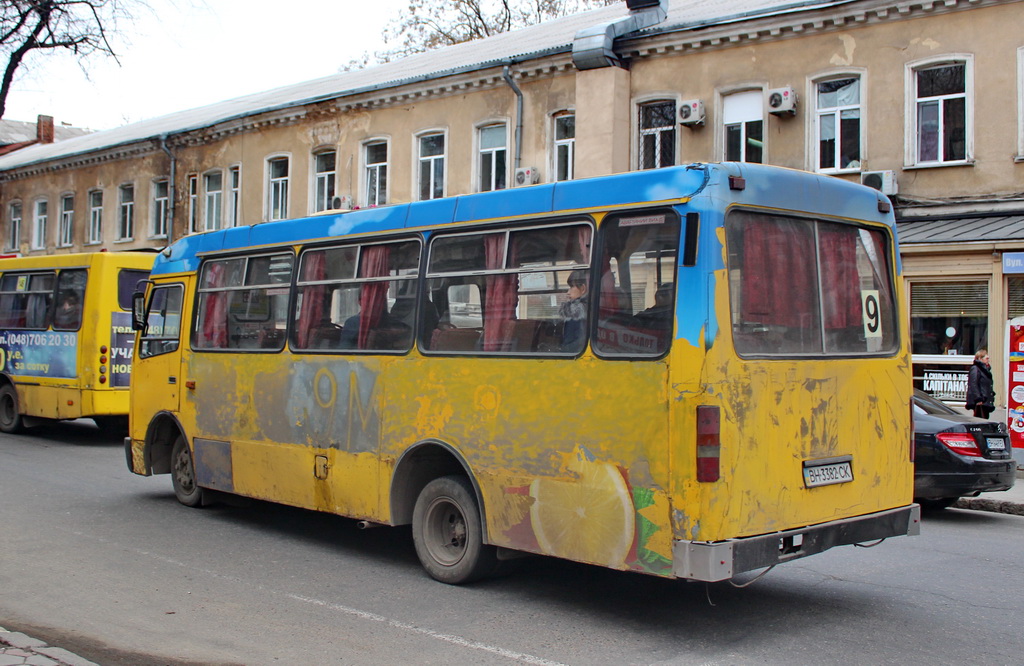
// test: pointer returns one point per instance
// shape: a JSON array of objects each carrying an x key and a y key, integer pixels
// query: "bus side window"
[
  {"x": 67, "y": 315},
  {"x": 163, "y": 322}
]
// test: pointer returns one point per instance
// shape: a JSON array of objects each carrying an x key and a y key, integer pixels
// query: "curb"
[
  {"x": 17, "y": 648},
  {"x": 991, "y": 505}
]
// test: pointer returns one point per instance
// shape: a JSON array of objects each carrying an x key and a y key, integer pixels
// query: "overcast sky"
[{"x": 189, "y": 53}]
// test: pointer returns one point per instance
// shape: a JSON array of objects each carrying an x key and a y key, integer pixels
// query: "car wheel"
[
  {"x": 183, "y": 474},
  {"x": 10, "y": 418},
  {"x": 447, "y": 532}
]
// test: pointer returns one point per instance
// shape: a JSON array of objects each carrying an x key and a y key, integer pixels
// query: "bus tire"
[
  {"x": 183, "y": 474},
  {"x": 10, "y": 417},
  {"x": 447, "y": 532}
]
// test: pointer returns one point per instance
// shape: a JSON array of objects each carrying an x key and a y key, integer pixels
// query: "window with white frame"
[
  {"x": 431, "y": 172},
  {"x": 193, "y": 203},
  {"x": 14, "y": 230},
  {"x": 838, "y": 124},
  {"x": 126, "y": 212},
  {"x": 565, "y": 146},
  {"x": 940, "y": 94},
  {"x": 235, "y": 197},
  {"x": 375, "y": 157},
  {"x": 657, "y": 144},
  {"x": 161, "y": 208},
  {"x": 66, "y": 226},
  {"x": 325, "y": 172},
  {"x": 213, "y": 189},
  {"x": 39, "y": 218},
  {"x": 277, "y": 188},
  {"x": 493, "y": 141},
  {"x": 95, "y": 217},
  {"x": 743, "y": 123}
]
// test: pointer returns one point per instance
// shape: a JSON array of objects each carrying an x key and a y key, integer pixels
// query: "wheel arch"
[
  {"x": 419, "y": 465},
  {"x": 164, "y": 428}
]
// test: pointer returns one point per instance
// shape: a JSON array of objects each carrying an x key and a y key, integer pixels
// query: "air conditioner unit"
[
  {"x": 883, "y": 181},
  {"x": 691, "y": 112},
  {"x": 343, "y": 202},
  {"x": 526, "y": 176},
  {"x": 782, "y": 100}
]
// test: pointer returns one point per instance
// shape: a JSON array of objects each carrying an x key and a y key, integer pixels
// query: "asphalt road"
[{"x": 109, "y": 566}]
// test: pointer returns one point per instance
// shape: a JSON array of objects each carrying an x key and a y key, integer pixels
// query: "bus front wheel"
[
  {"x": 447, "y": 532},
  {"x": 10, "y": 418},
  {"x": 183, "y": 474}
]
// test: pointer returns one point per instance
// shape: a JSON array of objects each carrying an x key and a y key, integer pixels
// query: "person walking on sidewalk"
[{"x": 981, "y": 396}]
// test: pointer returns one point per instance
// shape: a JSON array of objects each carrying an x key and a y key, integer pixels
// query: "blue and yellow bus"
[
  {"x": 66, "y": 337},
  {"x": 690, "y": 372}
]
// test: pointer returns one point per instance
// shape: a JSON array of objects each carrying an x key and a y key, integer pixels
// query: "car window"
[{"x": 926, "y": 404}]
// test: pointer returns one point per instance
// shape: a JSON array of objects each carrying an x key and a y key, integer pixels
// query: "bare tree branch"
[
  {"x": 430, "y": 24},
  {"x": 81, "y": 27}
]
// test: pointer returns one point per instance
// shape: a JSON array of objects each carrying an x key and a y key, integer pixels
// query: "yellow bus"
[
  {"x": 66, "y": 337},
  {"x": 689, "y": 372}
]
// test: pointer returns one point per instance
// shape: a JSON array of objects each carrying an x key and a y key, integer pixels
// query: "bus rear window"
[
  {"x": 800, "y": 286},
  {"x": 127, "y": 284}
]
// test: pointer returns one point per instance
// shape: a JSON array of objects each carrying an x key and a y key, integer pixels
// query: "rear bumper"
[
  {"x": 721, "y": 560},
  {"x": 994, "y": 476}
]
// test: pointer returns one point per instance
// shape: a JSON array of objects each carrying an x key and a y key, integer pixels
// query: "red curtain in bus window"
[
  {"x": 840, "y": 282},
  {"x": 373, "y": 296},
  {"x": 779, "y": 285},
  {"x": 500, "y": 296},
  {"x": 311, "y": 312},
  {"x": 215, "y": 316}
]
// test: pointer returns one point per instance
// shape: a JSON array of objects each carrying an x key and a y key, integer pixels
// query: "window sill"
[
  {"x": 1018, "y": 158},
  {"x": 94, "y": 243},
  {"x": 124, "y": 240},
  {"x": 938, "y": 165},
  {"x": 839, "y": 172},
  {"x": 158, "y": 237}
]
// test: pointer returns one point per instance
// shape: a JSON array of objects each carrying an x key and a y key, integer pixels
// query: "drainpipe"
[
  {"x": 519, "y": 114},
  {"x": 593, "y": 47},
  {"x": 172, "y": 191}
]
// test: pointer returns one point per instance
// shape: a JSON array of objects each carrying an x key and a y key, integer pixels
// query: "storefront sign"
[
  {"x": 1013, "y": 262},
  {"x": 950, "y": 385},
  {"x": 1015, "y": 386}
]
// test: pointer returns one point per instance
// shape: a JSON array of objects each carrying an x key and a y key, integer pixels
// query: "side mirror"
[{"x": 138, "y": 311}]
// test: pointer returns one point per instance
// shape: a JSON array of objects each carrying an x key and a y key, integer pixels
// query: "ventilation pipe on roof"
[
  {"x": 506, "y": 73},
  {"x": 593, "y": 47}
]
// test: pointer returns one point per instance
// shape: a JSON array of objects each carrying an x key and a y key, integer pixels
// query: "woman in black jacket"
[{"x": 981, "y": 396}]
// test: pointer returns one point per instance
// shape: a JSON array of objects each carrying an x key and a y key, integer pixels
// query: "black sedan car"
[{"x": 957, "y": 455}]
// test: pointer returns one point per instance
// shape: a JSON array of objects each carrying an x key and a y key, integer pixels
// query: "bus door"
[{"x": 156, "y": 373}]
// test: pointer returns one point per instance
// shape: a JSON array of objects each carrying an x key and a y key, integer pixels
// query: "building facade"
[{"x": 921, "y": 99}]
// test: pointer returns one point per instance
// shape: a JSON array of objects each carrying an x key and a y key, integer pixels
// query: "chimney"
[{"x": 44, "y": 129}]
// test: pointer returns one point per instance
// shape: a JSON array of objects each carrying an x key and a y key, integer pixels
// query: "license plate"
[
  {"x": 995, "y": 443},
  {"x": 826, "y": 474}
]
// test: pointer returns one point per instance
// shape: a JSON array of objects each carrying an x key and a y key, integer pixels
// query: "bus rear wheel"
[
  {"x": 447, "y": 532},
  {"x": 183, "y": 474},
  {"x": 10, "y": 417}
]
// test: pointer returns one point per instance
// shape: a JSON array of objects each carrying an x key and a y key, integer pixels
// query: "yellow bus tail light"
[{"x": 709, "y": 441}]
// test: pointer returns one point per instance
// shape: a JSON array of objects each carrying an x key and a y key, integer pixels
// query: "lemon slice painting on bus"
[{"x": 588, "y": 518}]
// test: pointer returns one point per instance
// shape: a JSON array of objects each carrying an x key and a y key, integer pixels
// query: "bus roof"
[
  {"x": 764, "y": 185},
  {"x": 140, "y": 260}
]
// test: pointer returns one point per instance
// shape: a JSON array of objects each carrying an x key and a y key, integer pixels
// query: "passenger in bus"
[
  {"x": 574, "y": 312},
  {"x": 69, "y": 312},
  {"x": 659, "y": 315}
]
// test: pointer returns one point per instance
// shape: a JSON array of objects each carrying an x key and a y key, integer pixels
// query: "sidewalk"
[{"x": 17, "y": 648}]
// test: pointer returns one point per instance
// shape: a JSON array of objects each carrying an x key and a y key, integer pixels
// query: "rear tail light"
[
  {"x": 960, "y": 442},
  {"x": 708, "y": 443}
]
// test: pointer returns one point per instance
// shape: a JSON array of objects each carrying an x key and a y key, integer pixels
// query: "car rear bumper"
[
  {"x": 721, "y": 560},
  {"x": 937, "y": 485}
]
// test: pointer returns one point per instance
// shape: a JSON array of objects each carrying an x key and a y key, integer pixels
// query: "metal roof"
[
  {"x": 962, "y": 229},
  {"x": 550, "y": 37}
]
